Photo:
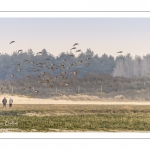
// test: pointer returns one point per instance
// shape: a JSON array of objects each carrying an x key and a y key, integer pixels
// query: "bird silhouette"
[
  {"x": 73, "y": 48},
  {"x": 25, "y": 61},
  {"x": 52, "y": 64},
  {"x": 47, "y": 59},
  {"x": 71, "y": 55},
  {"x": 72, "y": 64},
  {"x": 19, "y": 70},
  {"x": 78, "y": 50},
  {"x": 120, "y": 52},
  {"x": 39, "y": 53},
  {"x": 75, "y": 44},
  {"x": 42, "y": 73},
  {"x": 80, "y": 61},
  {"x": 37, "y": 76},
  {"x": 88, "y": 64},
  {"x": 11, "y": 42},
  {"x": 73, "y": 73},
  {"x": 64, "y": 59},
  {"x": 68, "y": 68},
  {"x": 39, "y": 63},
  {"x": 37, "y": 91},
  {"x": 12, "y": 75},
  {"x": 19, "y": 50},
  {"x": 63, "y": 72}
]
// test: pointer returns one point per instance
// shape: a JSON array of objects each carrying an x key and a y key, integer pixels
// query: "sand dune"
[{"x": 26, "y": 100}]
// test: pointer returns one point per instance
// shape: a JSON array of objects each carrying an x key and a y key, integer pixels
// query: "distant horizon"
[{"x": 56, "y": 35}]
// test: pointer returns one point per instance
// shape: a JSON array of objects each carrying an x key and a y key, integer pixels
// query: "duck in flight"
[
  {"x": 37, "y": 91},
  {"x": 12, "y": 75},
  {"x": 75, "y": 44},
  {"x": 47, "y": 59},
  {"x": 25, "y": 61},
  {"x": 120, "y": 52},
  {"x": 73, "y": 48},
  {"x": 11, "y": 42},
  {"x": 39, "y": 53},
  {"x": 19, "y": 50},
  {"x": 19, "y": 70},
  {"x": 78, "y": 50}
]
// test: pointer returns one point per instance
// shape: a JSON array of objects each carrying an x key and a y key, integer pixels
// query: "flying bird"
[
  {"x": 63, "y": 72},
  {"x": 52, "y": 64},
  {"x": 39, "y": 53},
  {"x": 88, "y": 64},
  {"x": 47, "y": 59},
  {"x": 120, "y": 52},
  {"x": 71, "y": 55},
  {"x": 42, "y": 73},
  {"x": 11, "y": 42},
  {"x": 37, "y": 91},
  {"x": 39, "y": 63},
  {"x": 72, "y": 64},
  {"x": 75, "y": 72},
  {"x": 88, "y": 58},
  {"x": 12, "y": 75},
  {"x": 25, "y": 61},
  {"x": 73, "y": 48},
  {"x": 78, "y": 50},
  {"x": 45, "y": 66},
  {"x": 37, "y": 76},
  {"x": 40, "y": 66},
  {"x": 80, "y": 61},
  {"x": 19, "y": 50},
  {"x": 75, "y": 44},
  {"x": 19, "y": 70},
  {"x": 68, "y": 68},
  {"x": 64, "y": 59}
]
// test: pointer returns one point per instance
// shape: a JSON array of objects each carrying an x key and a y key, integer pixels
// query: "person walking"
[
  {"x": 10, "y": 102},
  {"x": 4, "y": 101}
]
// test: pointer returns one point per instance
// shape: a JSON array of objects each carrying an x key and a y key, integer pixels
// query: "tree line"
[
  {"x": 9, "y": 63},
  {"x": 122, "y": 65}
]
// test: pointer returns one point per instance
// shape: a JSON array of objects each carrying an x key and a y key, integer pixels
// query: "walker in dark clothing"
[{"x": 4, "y": 101}]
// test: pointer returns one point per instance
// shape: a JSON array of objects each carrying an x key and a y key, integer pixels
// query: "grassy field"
[{"x": 66, "y": 118}]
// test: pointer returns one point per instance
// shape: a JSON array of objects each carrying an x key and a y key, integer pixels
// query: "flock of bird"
[{"x": 44, "y": 76}]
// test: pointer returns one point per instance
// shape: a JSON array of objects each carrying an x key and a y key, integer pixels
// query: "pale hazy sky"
[{"x": 56, "y": 35}]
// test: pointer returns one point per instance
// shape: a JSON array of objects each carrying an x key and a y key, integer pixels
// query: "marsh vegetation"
[{"x": 59, "y": 118}]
